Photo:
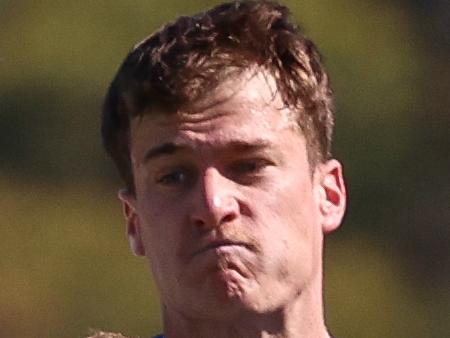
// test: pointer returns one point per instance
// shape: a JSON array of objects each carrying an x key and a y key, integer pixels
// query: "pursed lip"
[{"x": 218, "y": 244}]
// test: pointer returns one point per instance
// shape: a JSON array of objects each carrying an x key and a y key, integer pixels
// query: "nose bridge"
[
  {"x": 217, "y": 204},
  {"x": 215, "y": 190}
]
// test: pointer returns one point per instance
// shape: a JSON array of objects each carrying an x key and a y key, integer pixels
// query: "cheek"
[
  {"x": 291, "y": 206},
  {"x": 290, "y": 225},
  {"x": 161, "y": 225}
]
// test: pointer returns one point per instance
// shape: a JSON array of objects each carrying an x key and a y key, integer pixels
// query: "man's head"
[
  {"x": 181, "y": 63},
  {"x": 221, "y": 126}
]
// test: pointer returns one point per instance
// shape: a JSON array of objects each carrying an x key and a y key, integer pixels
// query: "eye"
[
  {"x": 173, "y": 177},
  {"x": 249, "y": 167}
]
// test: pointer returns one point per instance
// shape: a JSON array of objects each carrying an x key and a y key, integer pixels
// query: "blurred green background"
[{"x": 64, "y": 261}]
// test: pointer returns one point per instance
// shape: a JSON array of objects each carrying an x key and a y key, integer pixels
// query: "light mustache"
[{"x": 231, "y": 235}]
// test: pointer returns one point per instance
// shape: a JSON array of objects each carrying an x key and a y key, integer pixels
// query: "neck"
[{"x": 303, "y": 317}]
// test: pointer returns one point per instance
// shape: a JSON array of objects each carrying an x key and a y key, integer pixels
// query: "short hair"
[{"x": 185, "y": 59}]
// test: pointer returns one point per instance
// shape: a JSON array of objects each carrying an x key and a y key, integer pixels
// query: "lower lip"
[
  {"x": 211, "y": 256},
  {"x": 225, "y": 262}
]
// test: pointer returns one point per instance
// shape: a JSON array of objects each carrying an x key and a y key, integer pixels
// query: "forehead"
[{"x": 245, "y": 108}]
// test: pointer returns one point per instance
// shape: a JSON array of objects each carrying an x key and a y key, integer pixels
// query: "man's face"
[{"x": 226, "y": 207}]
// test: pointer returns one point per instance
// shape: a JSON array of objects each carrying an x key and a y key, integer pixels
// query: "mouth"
[{"x": 216, "y": 245}]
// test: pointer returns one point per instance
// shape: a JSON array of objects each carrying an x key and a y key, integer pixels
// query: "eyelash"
[
  {"x": 172, "y": 177},
  {"x": 244, "y": 171},
  {"x": 250, "y": 166}
]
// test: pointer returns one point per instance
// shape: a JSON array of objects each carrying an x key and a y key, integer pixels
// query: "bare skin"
[{"x": 231, "y": 216}]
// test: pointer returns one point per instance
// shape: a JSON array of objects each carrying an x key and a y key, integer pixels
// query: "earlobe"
[
  {"x": 128, "y": 201},
  {"x": 333, "y": 197}
]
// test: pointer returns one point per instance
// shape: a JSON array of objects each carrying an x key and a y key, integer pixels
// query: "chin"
[
  {"x": 232, "y": 294},
  {"x": 224, "y": 295}
]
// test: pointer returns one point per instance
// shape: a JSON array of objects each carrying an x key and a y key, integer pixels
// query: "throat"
[{"x": 268, "y": 325}]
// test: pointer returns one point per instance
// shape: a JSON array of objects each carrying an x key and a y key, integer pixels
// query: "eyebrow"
[
  {"x": 244, "y": 146},
  {"x": 170, "y": 148},
  {"x": 167, "y": 148}
]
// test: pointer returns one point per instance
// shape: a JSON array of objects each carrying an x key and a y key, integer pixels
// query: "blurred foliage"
[{"x": 64, "y": 265}]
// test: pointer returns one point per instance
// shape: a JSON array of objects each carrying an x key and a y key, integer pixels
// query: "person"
[{"x": 220, "y": 125}]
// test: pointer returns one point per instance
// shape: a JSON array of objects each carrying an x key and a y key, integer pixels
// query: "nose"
[{"x": 215, "y": 203}]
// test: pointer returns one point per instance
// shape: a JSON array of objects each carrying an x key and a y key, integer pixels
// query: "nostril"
[
  {"x": 228, "y": 218},
  {"x": 210, "y": 219},
  {"x": 199, "y": 224}
]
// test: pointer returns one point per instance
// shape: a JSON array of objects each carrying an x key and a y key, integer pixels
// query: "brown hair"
[{"x": 177, "y": 64}]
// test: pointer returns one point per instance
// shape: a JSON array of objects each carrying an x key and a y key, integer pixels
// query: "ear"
[
  {"x": 128, "y": 201},
  {"x": 333, "y": 196}
]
